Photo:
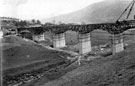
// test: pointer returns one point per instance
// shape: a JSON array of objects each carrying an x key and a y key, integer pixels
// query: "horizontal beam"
[{"x": 113, "y": 28}]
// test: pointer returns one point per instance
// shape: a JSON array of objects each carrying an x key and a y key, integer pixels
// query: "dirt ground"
[
  {"x": 36, "y": 65},
  {"x": 117, "y": 70},
  {"x": 24, "y": 58}
]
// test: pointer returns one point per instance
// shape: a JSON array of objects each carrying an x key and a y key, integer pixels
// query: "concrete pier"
[
  {"x": 84, "y": 43},
  {"x": 39, "y": 37},
  {"x": 117, "y": 43},
  {"x": 59, "y": 40},
  {"x": 1, "y": 34}
]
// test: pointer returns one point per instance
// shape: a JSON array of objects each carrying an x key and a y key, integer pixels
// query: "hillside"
[
  {"x": 105, "y": 11},
  {"x": 117, "y": 70},
  {"x": 24, "y": 56},
  {"x": 23, "y": 59},
  {"x": 17, "y": 51}
]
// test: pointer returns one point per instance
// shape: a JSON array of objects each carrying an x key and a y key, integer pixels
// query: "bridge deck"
[{"x": 112, "y": 28}]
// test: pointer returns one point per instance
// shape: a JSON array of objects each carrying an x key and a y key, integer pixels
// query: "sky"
[{"x": 40, "y": 9}]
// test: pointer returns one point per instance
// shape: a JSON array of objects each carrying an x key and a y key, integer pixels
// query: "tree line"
[{"x": 24, "y": 23}]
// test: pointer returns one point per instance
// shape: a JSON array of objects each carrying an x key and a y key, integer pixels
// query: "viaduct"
[{"x": 58, "y": 31}]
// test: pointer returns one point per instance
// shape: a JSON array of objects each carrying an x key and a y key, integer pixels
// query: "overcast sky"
[{"x": 40, "y": 9}]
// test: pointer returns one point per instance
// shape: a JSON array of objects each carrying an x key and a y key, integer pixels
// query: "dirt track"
[{"x": 49, "y": 72}]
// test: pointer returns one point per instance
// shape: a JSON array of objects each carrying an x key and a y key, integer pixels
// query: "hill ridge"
[{"x": 100, "y": 12}]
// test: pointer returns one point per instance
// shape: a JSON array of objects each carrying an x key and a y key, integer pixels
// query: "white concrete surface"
[
  {"x": 85, "y": 43},
  {"x": 1, "y": 34},
  {"x": 39, "y": 37},
  {"x": 118, "y": 43},
  {"x": 59, "y": 40}
]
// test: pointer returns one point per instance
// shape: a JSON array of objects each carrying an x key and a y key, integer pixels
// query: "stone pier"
[
  {"x": 59, "y": 40},
  {"x": 117, "y": 43},
  {"x": 84, "y": 43}
]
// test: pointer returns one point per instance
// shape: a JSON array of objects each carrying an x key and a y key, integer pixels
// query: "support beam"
[
  {"x": 117, "y": 43},
  {"x": 84, "y": 43},
  {"x": 59, "y": 40}
]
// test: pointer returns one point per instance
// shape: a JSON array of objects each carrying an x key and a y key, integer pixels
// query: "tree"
[
  {"x": 33, "y": 21},
  {"x": 38, "y": 22},
  {"x": 48, "y": 24},
  {"x": 22, "y": 23},
  {"x": 83, "y": 23},
  {"x": 59, "y": 22},
  {"x": 53, "y": 21}
]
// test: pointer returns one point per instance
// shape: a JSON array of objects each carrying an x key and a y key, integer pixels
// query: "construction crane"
[{"x": 130, "y": 8}]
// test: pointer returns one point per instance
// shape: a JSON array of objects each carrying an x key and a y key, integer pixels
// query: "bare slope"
[
  {"x": 18, "y": 52},
  {"x": 23, "y": 59},
  {"x": 117, "y": 70},
  {"x": 105, "y": 11}
]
